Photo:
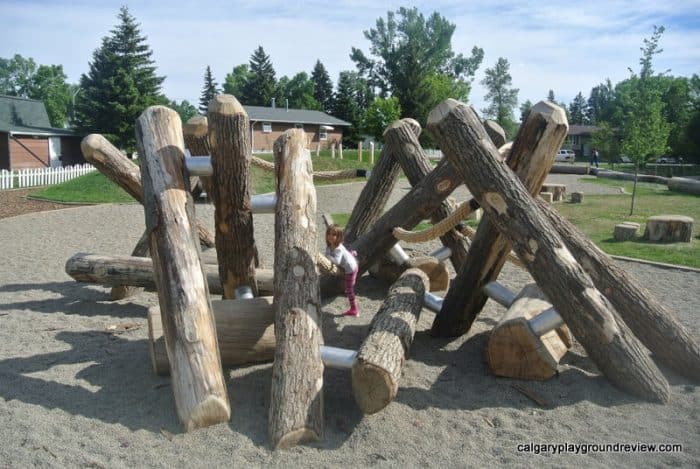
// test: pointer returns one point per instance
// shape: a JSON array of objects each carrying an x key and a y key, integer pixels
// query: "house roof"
[
  {"x": 575, "y": 129},
  {"x": 26, "y": 117},
  {"x": 296, "y": 116}
]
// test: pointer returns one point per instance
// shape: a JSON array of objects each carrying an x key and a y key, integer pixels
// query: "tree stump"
[
  {"x": 516, "y": 351},
  {"x": 244, "y": 329},
  {"x": 558, "y": 191},
  {"x": 669, "y": 229},
  {"x": 547, "y": 197},
  {"x": 625, "y": 231},
  {"x": 296, "y": 404},
  {"x": 229, "y": 137},
  {"x": 508, "y": 204},
  {"x": 197, "y": 380},
  {"x": 576, "y": 197},
  {"x": 377, "y": 370}
]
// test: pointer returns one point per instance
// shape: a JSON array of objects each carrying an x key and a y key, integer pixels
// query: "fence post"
[
  {"x": 371, "y": 153},
  {"x": 359, "y": 151}
]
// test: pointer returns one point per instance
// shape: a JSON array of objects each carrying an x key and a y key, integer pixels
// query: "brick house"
[
  {"x": 268, "y": 123},
  {"x": 27, "y": 139}
]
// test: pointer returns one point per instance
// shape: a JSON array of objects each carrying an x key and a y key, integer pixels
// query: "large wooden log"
[
  {"x": 119, "y": 292},
  {"x": 244, "y": 329},
  {"x": 531, "y": 156},
  {"x": 402, "y": 144},
  {"x": 196, "y": 135},
  {"x": 120, "y": 170},
  {"x": 650, "y": 320},
  {"x": 511, "y": 208},
  {"x": 229, "y": 137},
  {"x": 296, "y": 405},
  {"x": 197, "y": 379},
  {"x": 374, "y": 195},
  {"x": 420, "y": 202},
  {"x": 138, "y": 272},
  {"x": 377, "y": 370},
  {"x": 669, "y": 229}
]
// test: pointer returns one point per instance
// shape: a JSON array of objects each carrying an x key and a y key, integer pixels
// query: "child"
[{"x": 343, "y": 258}]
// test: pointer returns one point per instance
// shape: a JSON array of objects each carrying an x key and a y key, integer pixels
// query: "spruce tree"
[
  {"x": 121, "y": 83},
  {"x": 260, "y": 87},
  {"x": 578, "y": 110},
  {"x": 209, "y": 91},
  {"x": 323, "y": 87}
]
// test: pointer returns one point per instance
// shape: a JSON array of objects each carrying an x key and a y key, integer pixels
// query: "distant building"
[
  {"x": 27, "y": 139},
  {"x": 268, "y": 123},
  {"x": 579, "y": 139}
]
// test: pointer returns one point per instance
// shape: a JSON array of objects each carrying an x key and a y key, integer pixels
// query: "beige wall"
[{"x": 264, "y": 141}]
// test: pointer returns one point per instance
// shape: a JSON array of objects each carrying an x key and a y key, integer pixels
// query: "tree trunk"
[
  {"x": 244, "y": 329},
  {"x": 138, "y": 272},
  {"x": 120, "y": 170},
  {"x": 589, "y": 315},
  {"x": 195, "y": 132},
  {"x": 119, "y": 292},
  {"x": 296, "y": 404},
  {"x": 669, "y": 229},
  {"x": 402, "y": 144},
  {"x": 377, "y": 370},
  {"x": 198, "y": 383},
  {"x": 651, "y": 321},
  {"x": 531, "y": 157},
  {"x": 229, "y": 137}
]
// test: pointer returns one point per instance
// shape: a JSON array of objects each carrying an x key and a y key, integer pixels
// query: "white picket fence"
[{"x": 41, "y": 176}]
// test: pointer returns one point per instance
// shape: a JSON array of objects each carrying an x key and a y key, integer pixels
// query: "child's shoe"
[{"x": 352, "y": 312}]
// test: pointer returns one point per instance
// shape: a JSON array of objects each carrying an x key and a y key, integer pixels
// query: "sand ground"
[{"x": 75, "y": 394}]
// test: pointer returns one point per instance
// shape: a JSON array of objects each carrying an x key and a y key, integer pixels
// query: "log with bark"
[
  {"x": 119, "y": 169},
  {"x": 229, "y": 137},
  {"x": 198, "y": 384},
  {"x": 531, "y": 156},
  {"x": 377, "y": 370},
  {"x": 195, "y": 133},
  {"x": 119, "y": 292},
  {"x": 296, "y": 404},
  {"x": 512, "y": 209}
]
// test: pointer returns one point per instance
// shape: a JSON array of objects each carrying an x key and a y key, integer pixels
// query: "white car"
[{"x": 567, "y": 156}]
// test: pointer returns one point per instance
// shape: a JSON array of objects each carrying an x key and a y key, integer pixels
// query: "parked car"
[
  {"x": 667, "y": 160},
  {"x": 567, "y": 156}
]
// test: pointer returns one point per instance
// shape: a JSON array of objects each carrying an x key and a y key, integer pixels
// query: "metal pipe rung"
[
  {"x": 499, "y": 293},
  {"x": 432, "y": 302},
  {"x": 546, "y": 321},
  {"x": 334, "y": 357}
]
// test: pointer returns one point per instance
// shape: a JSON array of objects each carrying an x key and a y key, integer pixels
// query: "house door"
[{"x": 54, "y": 152}]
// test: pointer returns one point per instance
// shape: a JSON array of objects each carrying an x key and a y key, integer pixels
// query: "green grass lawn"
[{"x": 596, "y": 216}]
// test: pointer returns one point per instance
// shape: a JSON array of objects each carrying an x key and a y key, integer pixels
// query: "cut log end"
[
  {"x": 442, "y": 110},
  {"x": 196, "y": 126},
  {"x": 373, "y": 387},
  {"x": 296, "y": 437},
  {"x": 412, "y": 123},
  {"x": 91, "y": 144},
  {"x": 212, "y": 410},
  {"x": 226, "y": 104},
  {"x": 551, "y": 112}
]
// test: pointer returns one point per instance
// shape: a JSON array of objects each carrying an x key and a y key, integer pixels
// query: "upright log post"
[
  {"x": 403, "y": 145},
  {"x": 377, "y": 370},
  {"x": 650, "y": 320},
  {"x": 229, "y": 137},
  {"x": 296, "y": 404},
  {"x": 119, "y": 169},
  {"x": 190, "y": 332},
  {"x": 119, "y": 292},
  {"x": 531, "y": 157},
  {"x": 196, "y": 136},
  {"x": 508, "y": 204}
]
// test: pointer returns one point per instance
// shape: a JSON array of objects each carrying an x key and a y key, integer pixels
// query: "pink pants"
[{"x": 350, "y": 286}]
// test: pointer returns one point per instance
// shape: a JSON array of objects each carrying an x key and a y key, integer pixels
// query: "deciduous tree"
[{"x": 501, "y": 96}]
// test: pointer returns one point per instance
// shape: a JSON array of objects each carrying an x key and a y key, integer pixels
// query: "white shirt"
[{"x": 340, "y": 256}]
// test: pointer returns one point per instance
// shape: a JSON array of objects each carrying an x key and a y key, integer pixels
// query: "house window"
[
  {"x": 322, "y": 134},
  {"x": 267, "y": 127},
  {"x": 299, "y": 126}
]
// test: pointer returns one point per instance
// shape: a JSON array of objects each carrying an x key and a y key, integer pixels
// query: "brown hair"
[{"x": 336, "y": 231}]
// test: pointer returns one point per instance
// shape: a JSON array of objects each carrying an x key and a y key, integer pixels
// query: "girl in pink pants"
[{"x": 340, "y": 256}]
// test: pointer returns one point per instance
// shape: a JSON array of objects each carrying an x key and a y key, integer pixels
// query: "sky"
[{"x": 564, "y": 46}]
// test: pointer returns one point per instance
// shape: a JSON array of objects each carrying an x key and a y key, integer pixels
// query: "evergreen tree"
[
  {"x": 578, "y": 110},
  {"x": 260, "y": 87},
  {"x": 524, "y": 110},
  {"x": 120, "y": 85},
  {"x": 351, "y": 101},
  {"x": 502, "y": 97},
  {"x": 209, "y": 91},
  {"x": 323, "y": 87}
]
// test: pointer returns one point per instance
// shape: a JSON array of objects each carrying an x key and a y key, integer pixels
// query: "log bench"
[
  {"x": 558, "y": 191},
  {"x": 669, "y": 229},
  {"x": 625, "y": 231}
]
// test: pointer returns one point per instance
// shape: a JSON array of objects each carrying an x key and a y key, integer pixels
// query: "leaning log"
[
  {"x": 531, "y": 156},
  {"x": 402, "y": 144},
  {"x": 120, "y": 170},
  {"x": 138, "y": 272},
  {"x": 119, "y": 292},
  {"x": 196, "y": 135},
  {"x": 649, "y": 319},
  {"x": 508, "y": 204},
  {"x": 296, "y": 404},
  {"x": 377, "y": 370},
  {"x": 231, "y": 151},
  {"x": 372, "y": 200},
  {"x": 197, "y": 379},
  {"x": 244, "y": 330}
]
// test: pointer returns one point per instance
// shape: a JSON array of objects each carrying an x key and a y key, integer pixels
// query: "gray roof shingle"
[
  {"x": 296, "y": 116},
  {"x": 26, "y": 116}
]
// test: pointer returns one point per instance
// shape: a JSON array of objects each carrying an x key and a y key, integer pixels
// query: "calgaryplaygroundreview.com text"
[{"x": 585, "y": 448}]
